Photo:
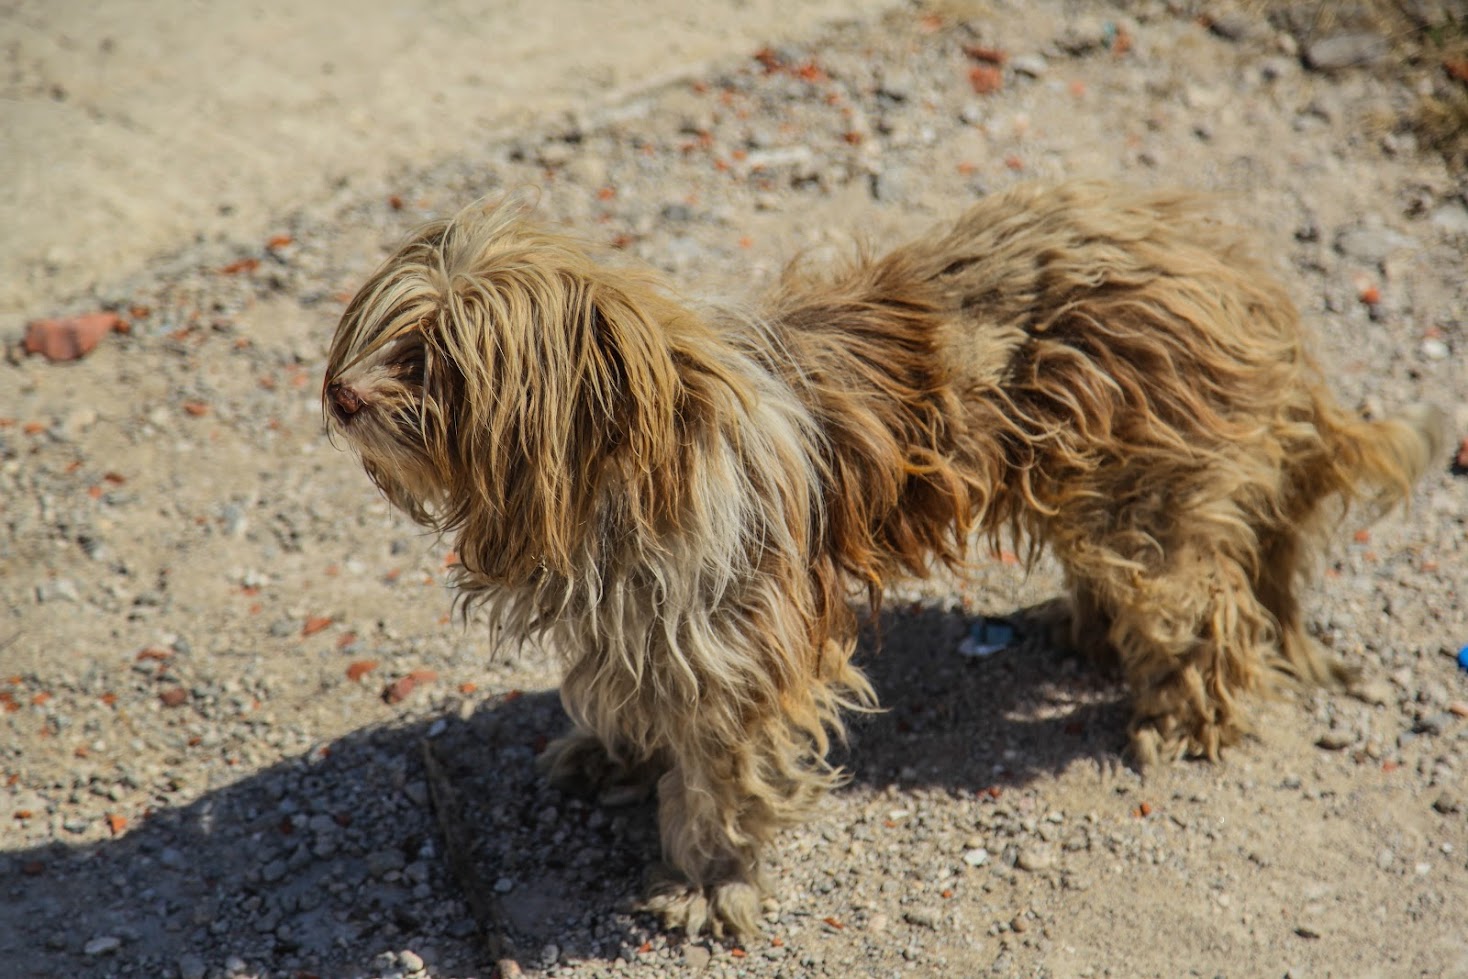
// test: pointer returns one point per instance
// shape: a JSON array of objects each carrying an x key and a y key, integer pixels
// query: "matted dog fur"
[{"x": 684, "y": 500}]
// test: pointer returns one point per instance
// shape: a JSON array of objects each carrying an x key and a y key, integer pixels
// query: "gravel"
[{"x": 204, "y": 604}]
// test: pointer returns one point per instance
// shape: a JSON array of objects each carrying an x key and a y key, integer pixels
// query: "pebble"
[
  {"x": 1368, "y": 244},
  {"x": 922, "y": 917},
  {"x": 1343, "y": 51},
  {"x": 1435, "y": 723},
  {"x": 71, "y": 338},
  {"x": 1451, "y": 218},
  {"x": 102, "y": 945},
  {"x": 1435, "y": 349},
  {"x": 976, "y": 857},
  {"x": 1230, "y": 26},
  {"x": 1375, "y": 692},
  {"x": 57, "y": 590},
  {"x": 1034, "y": 858},
  {"x": 382, "y": 862},
  {"x": 191, "y": 966},
  {"x": 696, "y": 957},
  {"x": 1033, "y": 65},
  {"x": 1335, "y": 739},
  {"x": 890, "y": 186}
]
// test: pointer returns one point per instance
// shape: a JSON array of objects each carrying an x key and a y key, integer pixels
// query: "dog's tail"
[{"x": 1382, "y": 459}]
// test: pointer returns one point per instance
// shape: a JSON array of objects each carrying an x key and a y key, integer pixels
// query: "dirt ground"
[{"x": 241, "y": 736}]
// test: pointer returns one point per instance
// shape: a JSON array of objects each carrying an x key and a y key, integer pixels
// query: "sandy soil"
[
  {"x": 130, "y": 127},
  {"x": 239, "y": 734}
]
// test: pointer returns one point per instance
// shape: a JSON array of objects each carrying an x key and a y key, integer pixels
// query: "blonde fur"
[{"x": 682, "y": 499}]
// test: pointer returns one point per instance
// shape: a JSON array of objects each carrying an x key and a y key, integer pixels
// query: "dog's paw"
[
  {"x": 1163, "y": 739},
  {"x": 580, "y": 763},
  {"x": 729, "y": 907},
  {"x": 1151, "y": 745}
]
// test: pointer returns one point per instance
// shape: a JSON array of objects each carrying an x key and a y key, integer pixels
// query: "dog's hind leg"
[
  {"x": 1192, "y": 637},
  {"x": 581, "y": 762},
  {"x": 1283, "y": 554},
  {"x": 1348, "y": 457}
]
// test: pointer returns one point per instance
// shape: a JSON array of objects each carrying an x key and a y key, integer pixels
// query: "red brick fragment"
[{"x": 71, "y": 337}]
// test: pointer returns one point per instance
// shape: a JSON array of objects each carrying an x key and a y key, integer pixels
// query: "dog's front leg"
[
  {"x": 741, "y": 769},
  {"x": 710, "y": 878}
]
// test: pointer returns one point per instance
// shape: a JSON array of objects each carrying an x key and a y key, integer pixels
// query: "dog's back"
[{"x": 1110, "y": 374}]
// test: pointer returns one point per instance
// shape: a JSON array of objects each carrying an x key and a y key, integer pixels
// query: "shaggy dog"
[{"x": 682, "y": 499}]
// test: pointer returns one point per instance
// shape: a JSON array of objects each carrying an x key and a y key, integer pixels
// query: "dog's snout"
[{"x": 345, "y": 402}]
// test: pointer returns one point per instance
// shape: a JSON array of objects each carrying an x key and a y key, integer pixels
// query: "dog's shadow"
[
  {"x": 321, "y": 863},
  {"x": 973, "y": 720}
]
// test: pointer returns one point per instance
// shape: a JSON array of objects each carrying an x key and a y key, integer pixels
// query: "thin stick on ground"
[{"x": 459, "y": 854}]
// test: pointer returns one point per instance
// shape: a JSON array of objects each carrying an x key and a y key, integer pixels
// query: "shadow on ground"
[{"x": 320, "y": 863}]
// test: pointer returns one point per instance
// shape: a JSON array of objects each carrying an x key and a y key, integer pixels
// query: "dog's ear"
[
  {"x": 630, "y": 381},
  {"x": 573, "y": 396}
]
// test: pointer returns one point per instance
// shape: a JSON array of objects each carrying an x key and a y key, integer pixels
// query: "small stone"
[
  {"x": 1374, "y": 692},
  {"x": 1434, "y": 724},
  {"x": 1082, "y": 36},
  {"x": 890, "y": 185},
  {"x": 1435, "y": 349},
  {"x": 382, "y": 862},
  {"x": 1343, "y": 51},
  {"x": 1034, "y": 858},
  {"x": 190, "y": 966},
  {"x": 71, "y": 338},
  {"x": 1032, "y": 65},
  {"x": 1230, "y": 26},
  {"x": 1451, "y": 218},
  {"x": 273, "y": 871},
  {"x": 78, "y": 421},
  {"x": 976, "y": 857},
  {"x": 59, "y": 590},
  {"x": 1385, "y": 858},
  {"x": 696, "y": 958},
  {"x": 102, "y": 945},
  {"x": 232, "y": 515},
  {"x": 1447, "y": 803},
  {"x": 587, "y": 169},
  {"x": 556, "y": 154},
  {"x": 922, "y": 917},
  {"x": 897, "y": 85},
  {"x": 1335, "y": 739},
  {"x": 1369, "y": 245},
  {"x": 504, "y": 885}
]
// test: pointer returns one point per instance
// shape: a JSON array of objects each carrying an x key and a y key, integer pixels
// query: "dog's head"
[{"x": 494, "y": 378}]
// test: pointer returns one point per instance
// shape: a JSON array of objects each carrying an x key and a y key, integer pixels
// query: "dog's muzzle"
[{"x": 345, "y": 402}]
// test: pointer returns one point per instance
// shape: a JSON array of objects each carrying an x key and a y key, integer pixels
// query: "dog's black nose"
[{"x": 345, "y": 402}]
